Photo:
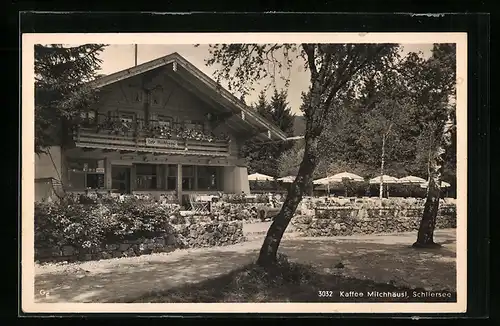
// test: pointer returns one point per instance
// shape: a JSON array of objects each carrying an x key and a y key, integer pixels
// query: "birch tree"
[
  {"x": 387, "y": 116},
  {"x": 332, "y": 69}
]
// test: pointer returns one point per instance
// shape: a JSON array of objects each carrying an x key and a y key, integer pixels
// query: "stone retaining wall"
[
  {"x": 185, "y": 236},
  {"x": 341, "y": 221}
]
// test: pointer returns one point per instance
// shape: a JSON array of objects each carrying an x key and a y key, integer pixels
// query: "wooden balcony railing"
[{"x": 151, "y": 138}]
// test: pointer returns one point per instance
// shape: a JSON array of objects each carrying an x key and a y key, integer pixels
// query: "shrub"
[{"x": 89, "y": 222}]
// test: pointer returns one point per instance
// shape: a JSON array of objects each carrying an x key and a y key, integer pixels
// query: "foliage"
[
  {"x": 241, "y": 199},
  {"x": 431, "y": 87},
  {"x": 61, "y": 89},
  {"x": 388, "y": 104},
  {"x": 263, "y": 158},
  {"x": 87, "y": 223},
  {"x": 289, "y": 160},
  {"x": 376, "y": 114},
  {"x": 175, "y": 131},
  {"x": 280, "y": 113}
]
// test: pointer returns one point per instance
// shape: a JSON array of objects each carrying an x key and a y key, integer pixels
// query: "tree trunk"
[
  {"x": 425, "y": 237},
  {"x": 269, "y": 249}
]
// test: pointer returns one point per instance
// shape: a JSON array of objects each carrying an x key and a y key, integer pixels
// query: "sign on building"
[{"x": 161, "y": 142}]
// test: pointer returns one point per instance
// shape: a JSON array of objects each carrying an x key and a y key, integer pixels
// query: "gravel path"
[{"x": 382, "y": 258}]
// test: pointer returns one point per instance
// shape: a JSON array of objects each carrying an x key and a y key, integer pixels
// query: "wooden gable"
[{"x": 187, "y": 93}]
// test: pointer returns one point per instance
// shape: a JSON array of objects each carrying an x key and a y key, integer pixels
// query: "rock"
[
  {"x": 123, "y": 246},
  {"x": 337, "y": 226},
  {"x": 106, "y": 255},
  {"x": 43, "y": 252},
  {"x": 86, "y": 257},
  {"x": 68, "y": 250},
  {"x": 159, "y": 241},
  {"x": 112, "y": 247},
  {"x": 55, "y": 251},
  {"x": 171, "y": 239}
]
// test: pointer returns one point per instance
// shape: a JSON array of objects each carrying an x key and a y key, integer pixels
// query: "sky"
[{"x": 118, "y": 57}]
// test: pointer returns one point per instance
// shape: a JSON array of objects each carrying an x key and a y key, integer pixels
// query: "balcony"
[{"x": 159, "y": 138}]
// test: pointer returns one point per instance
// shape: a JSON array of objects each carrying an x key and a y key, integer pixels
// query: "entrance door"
[{"x": 121, "y": 178}]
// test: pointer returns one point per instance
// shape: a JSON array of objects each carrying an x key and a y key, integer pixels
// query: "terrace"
[{"x": 137, "y": 135}]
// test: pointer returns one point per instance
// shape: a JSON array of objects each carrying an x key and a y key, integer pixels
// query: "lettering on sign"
[
  {"x": 99, "y": 170},
  {"x": 161, "y": 142}
]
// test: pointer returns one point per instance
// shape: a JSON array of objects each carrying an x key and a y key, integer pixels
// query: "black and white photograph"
[{"x": 275, "y": 172}]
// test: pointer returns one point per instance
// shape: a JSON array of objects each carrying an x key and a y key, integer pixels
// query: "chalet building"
[{"x": 162, "y": 127}]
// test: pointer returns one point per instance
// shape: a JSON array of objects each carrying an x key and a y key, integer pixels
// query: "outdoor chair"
[{"x": 197, "y": 205}]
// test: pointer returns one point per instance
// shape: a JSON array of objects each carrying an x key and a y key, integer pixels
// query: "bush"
[{"x": 88, "y": 222}]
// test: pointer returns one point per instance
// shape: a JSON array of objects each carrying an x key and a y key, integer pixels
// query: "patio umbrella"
[
  {"x": 347, "y": 175},
  {"x": 443, "y": 184},
  {"x": 259, "y": 177},
  {"x": 385, "y": 179},
  {"x": 288, "y": 179},
  {"x": 337, "y": 178},
  {"x": 411, "y": 180},
  {"x": 322, "y": 181}
]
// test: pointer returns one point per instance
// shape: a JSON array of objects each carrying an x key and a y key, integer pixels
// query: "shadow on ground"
[
  {"x": 107, "y": 285},
  {"x": 367, "y": 264},
  {"x": 398, "y": 263},
  {"x": 293, "y": 283}
]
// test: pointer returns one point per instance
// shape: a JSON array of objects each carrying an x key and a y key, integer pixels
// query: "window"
[
  {"x": 187, "y": 177},
  {"x": 171, "y": 176},
  {"x": 89, "y": 118},
  {"x": 95, "y": 180},
  {"x": 146, "y": 177},
  {"x": 208, "y": 178},
  {"x": 120, "y": 178},
  {"x": 83, "y": 174}
]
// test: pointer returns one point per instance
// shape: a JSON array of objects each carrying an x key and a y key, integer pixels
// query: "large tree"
[
  {"x": 333, "y": 69},
  {"x": 434, "y": 93},
  {"x": 61, "y": 91}
]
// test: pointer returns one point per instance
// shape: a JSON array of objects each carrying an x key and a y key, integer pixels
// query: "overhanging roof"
[{"x": 186, "y": 71}]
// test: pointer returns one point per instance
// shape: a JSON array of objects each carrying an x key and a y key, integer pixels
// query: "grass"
[{"x": 286, "y": 282}]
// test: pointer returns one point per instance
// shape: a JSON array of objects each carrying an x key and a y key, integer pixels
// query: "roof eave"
[{"x": 133, "y": 71}]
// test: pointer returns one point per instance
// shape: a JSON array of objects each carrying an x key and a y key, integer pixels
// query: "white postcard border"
[{"x": 27, "y": 182}]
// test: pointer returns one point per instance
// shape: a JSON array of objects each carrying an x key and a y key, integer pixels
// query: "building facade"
[{"x": 162, "y": 127}]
